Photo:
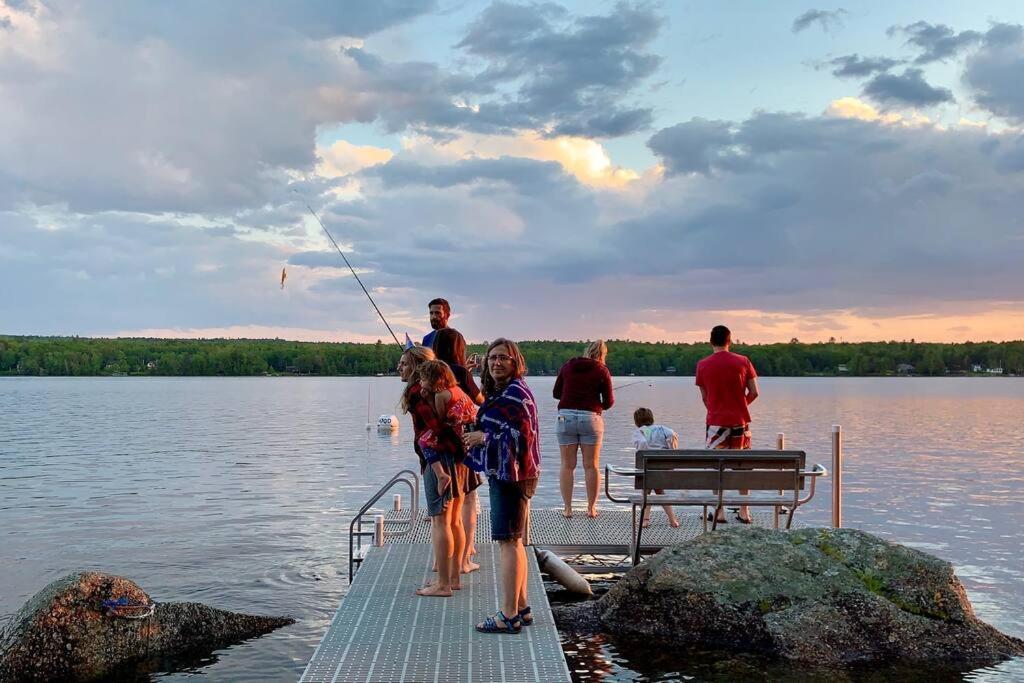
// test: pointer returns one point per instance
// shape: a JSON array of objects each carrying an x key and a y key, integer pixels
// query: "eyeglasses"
[{"x": 498, "y": 358}]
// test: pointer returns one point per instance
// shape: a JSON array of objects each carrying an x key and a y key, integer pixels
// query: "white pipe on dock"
[
  {"x": 378, "y": 531},
  {"x": 397, "y": 502},
  {"x": 561, "y": 572}
]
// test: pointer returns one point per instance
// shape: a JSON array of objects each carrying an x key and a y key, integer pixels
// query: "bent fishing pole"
[{"x": 353, "y": 270}]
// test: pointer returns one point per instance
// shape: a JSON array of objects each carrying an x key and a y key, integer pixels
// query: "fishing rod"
[
  {"x": 623, "y": 386},
  {"x": 365, "y": 291}
]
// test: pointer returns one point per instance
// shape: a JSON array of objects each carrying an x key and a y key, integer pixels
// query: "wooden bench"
[{"x": 713, "y": 478}]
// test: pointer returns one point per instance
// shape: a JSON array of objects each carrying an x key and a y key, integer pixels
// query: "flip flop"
[
  {"x": 739, "y": 519},
  {"x": 711, "y": 518}
]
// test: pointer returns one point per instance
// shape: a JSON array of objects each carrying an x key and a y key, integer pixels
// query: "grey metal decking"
[
  {"x": 608, "y": 533},
  {"x": 384, "y": 632}
]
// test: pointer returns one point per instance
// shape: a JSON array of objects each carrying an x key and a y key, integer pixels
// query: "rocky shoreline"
[
  {"x": 87, "y": 625},
  {"x": 820, "y": 597}
]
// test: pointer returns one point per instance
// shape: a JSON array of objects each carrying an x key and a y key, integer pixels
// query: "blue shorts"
[
  {"x": 510, "y": 506},
  {"x": 579, "y": 427}
]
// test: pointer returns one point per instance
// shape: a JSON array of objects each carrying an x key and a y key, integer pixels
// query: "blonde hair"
[
  {"x": 437, "y": 375},
  {"x": 417, "y": 355},
  {"x": 597, "y": 350}
]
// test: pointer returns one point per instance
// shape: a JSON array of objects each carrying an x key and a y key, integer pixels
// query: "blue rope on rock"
[{"x": 117, "y": 608}]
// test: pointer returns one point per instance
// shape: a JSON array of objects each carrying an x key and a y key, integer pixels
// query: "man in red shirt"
[{"x": 728, "y": 384}]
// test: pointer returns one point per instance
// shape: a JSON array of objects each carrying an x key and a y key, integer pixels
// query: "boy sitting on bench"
[{"x": 651, "y": 436}]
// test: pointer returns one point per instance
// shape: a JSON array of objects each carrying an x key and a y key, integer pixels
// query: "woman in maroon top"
[
  {"x": 450, "y": 346},
  {"x": 445, "y": 511},
  {"x": 583, "y": 390}
]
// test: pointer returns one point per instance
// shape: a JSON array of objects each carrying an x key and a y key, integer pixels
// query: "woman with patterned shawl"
[{"x": 506, "y": 446}]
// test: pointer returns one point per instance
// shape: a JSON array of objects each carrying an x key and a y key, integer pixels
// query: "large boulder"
[
  {"x": 64, "y": 632},
  {"x": 824, "y": 596}
]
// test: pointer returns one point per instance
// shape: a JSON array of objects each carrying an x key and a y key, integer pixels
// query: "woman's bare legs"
[
  {"x": 513, "y": 576},
  {"x": 469, "y": 526},
  {"x": 567, "y": 476},
  {"x": 441, "y": 535},
  {"x": 521, "y": 601},
  {"x": 591, "y": 462},
  {"x": 458, "y": 542}
]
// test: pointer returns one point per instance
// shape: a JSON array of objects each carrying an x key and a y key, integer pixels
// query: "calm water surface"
[{"x": 238, "y": 492}]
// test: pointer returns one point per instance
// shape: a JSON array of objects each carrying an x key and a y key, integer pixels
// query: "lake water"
[{"x": 238, "y": 492}]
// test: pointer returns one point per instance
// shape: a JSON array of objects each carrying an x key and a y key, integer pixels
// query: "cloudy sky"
[{"x": 556, "y": 170}]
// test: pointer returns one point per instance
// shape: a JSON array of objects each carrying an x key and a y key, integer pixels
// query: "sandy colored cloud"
[
  {"x": 343, "y": 158},
  {"x": 587, "y": 160}
]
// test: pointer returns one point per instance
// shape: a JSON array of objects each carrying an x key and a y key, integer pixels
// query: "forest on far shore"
[{"x": 81, "y": 356}]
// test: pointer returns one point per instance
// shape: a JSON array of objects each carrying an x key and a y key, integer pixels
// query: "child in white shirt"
[{"x": 651, "y": 436}]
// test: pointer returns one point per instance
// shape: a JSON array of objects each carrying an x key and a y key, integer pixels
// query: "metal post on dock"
[
  {"x": 780, "y": 441},
  {"x": 397, "y": 501},
  {"x": 837, "y": 476},
  {"x": 378, "y": 531}
]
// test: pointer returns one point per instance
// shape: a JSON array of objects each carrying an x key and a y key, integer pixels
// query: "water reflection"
[
  {"x": 603, "y": 659},
  {"x": 238, "y": 492}
]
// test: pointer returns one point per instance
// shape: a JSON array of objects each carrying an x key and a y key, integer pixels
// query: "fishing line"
[
  {"x": 353, "y": 270},
  {"x": 623, "y": 386}
]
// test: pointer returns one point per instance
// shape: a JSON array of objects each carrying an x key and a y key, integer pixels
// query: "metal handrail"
[{"x": 355, "y": 527}]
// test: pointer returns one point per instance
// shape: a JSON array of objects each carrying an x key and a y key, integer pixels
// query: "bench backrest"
[{"x": 700, "y": 469}]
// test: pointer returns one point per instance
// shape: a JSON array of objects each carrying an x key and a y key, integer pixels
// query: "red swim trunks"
[{"x": 728, "y": 437}]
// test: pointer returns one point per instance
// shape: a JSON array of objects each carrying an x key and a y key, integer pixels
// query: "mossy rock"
[{"x": 816, "y": 595}]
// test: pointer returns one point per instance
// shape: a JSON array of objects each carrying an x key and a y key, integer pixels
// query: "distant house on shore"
[
  {"x": 995, "y": 371},
  {"x": 904, "y": 369},
  {"x": 977, "y": 367},
  {"x": 842, "y": 369},
  {"x": 151, "y": 365},
  {"x": 670, "y": 369},
  {"x": 294, "y": 369}
]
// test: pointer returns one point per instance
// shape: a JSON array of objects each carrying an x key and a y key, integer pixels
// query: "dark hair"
[
  {"x": 450, "y": 346},
  {"x": 442, "y": 303},
  {"x": 437, "y": 375},
  {"x": 643, "y": 417},
  {"x": 489, "y": 384},
  {"x": 720, "y": 335}
]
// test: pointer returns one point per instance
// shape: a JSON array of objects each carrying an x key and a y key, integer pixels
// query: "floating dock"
[{"x": 384, "y": 632}]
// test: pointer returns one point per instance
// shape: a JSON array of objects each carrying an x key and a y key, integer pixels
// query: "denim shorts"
[
  {"x": 437, "y": 502},
  {"x": 510, "y": 507},
  {"x": 579, "y": 427}
]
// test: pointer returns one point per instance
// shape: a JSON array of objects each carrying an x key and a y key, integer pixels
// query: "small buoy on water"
[{"x": 387, "y": 423}]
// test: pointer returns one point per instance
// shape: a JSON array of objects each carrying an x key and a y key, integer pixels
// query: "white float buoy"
[{"x": 387, "y": 423}]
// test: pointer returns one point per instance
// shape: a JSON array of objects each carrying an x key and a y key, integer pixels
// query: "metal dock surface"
[
  {"x": 384, "y": 632},
  {"x": 608, "y": 533}
]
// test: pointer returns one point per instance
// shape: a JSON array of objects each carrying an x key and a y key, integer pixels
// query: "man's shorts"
[
  {"x": 437, "y": 502},
  {"x": 510, "y": 507},
  {"x": 581, "y": 427},
  {"x": 737, "y": 438}
]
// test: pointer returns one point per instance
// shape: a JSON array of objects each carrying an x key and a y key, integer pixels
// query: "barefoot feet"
[{"x": 434, "y": 590}]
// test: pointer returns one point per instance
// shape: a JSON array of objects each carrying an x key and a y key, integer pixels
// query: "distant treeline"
[{"x": 75, "y": 356}]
